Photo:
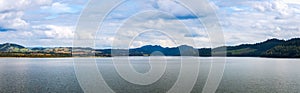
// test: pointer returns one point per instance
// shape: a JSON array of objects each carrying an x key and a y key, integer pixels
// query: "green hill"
[
  {"x": 9, "y": 47},
  {"x": 269, "y": 48},
  {"x": 290, "y": 48}
]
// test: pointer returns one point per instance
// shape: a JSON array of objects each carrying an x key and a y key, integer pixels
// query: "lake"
[{"x": 241, "y": 74}]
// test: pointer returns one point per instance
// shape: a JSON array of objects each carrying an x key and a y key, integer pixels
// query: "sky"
[{"x": 52, "y": 23}]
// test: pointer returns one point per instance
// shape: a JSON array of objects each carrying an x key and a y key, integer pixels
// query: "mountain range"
[{"x": 269, "y": 48}]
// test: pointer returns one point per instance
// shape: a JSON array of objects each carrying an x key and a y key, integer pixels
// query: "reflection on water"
[{"x": 242, "y": 75}]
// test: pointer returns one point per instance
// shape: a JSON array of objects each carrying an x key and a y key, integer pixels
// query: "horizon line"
[{"x": 153, "y": 45}]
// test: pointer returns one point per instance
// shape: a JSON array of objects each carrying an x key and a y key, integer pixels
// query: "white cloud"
[
  {"x": 26, "y": 19},
  {"x": 11, "y": 13},
  {"x": 58, "y": 32},
  {"x": 292, "y": 1},
  {"x": 276, "y": 6},
  {"x": 22, "y": 4},
  {"x": 13, "y": 20},
  {"x": 58, "y": 8},
  {"x": 152, "y": 21},
  {"x": 172, "y": 7},
  {"x": 256, "y": 21}
]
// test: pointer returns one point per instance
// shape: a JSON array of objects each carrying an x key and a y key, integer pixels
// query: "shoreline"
[{"x": 164, "y": 56}]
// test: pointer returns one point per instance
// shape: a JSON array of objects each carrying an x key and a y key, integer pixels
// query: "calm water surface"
[{"x": 242, "y": 75}]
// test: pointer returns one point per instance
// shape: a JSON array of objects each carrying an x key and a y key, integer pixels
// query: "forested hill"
[
  {"x": 289, "y": 48},
  {"x": 269, "y": 48}
]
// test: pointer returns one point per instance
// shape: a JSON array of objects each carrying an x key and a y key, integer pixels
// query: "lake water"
[{"x": 241, "y": 75}]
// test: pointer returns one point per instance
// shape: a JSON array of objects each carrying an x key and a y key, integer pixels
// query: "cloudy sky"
[{"x": 53, "y": 22}]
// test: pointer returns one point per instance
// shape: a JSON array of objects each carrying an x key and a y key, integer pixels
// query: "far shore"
[{"x": 149, "y": 56}]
